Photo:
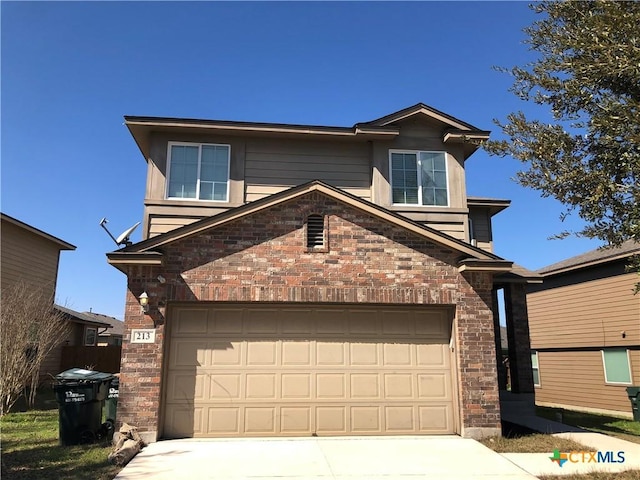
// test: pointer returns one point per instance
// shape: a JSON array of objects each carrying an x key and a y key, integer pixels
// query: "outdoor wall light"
[{"x": 144, "y": 301}]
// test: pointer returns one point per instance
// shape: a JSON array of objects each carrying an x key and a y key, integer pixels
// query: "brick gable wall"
[{"x": 263, "y": 258}]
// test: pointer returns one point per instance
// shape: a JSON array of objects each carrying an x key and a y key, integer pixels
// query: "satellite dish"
[{"x": 123, "y": 238}]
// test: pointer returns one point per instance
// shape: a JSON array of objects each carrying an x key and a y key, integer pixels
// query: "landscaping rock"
[{"x": 127, "y": 446}]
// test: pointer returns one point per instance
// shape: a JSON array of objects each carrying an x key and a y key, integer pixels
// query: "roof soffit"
[{"x": 454, "y": 130}]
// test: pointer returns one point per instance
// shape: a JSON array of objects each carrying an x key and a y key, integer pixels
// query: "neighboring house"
[
  {"x": 112, "y": 336},
  {"x": 84, "y": 332},
  {"x": 585, "y": 331},
  {"x": 31, "y": 256},
  {"x": 310, "y": 280}
]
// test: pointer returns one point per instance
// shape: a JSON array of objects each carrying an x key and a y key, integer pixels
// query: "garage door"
[{"x": 263, "y": 371}]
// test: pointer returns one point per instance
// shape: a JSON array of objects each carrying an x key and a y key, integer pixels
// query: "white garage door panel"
[{"x": 249, "y": 371}]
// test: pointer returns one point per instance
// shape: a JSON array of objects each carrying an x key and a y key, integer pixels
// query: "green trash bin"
[
  {"x": 634, "y": 396},
  {"x": 111, "y": 403},
  {"x": 80, "y": 394}
]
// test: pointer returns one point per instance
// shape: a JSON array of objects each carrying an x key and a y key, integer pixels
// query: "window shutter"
[{"x": 315, "y": 231}]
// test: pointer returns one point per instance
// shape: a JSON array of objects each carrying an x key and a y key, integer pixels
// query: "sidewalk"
[{"x": 541, "y": 464}]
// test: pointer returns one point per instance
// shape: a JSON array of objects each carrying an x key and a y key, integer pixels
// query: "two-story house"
[
  {"x": 313, "y": 280},
  {"x": 585, "y": 331},
  {"x": 29, "y": 258}
]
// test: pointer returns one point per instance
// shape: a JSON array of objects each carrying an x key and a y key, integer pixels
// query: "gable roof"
[
  {"x": 62, "y": 245},
  {"x": 421, "y": 109},
  {"x": 117, "y": 326},
  {"x": 79, "y": 317},
  {"x": 145, "y": 252},
  {"x": 591, "y": 258},
  {"x": 455, "y": 130}
]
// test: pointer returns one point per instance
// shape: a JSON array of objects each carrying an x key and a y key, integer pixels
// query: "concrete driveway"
[{"x": 346, "y": 458}]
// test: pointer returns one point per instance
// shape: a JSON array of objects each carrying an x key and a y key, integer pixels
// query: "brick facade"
[{"x": 263, "y": 258}]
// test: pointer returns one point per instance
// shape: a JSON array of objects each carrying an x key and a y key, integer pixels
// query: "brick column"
[
  {"x": 141, "y": 368},
  {"x": 479, "y": 397},
  {"x": 515, "y": 300}
]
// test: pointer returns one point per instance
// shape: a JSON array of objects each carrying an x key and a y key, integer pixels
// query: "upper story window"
[
  {"x": 419, "y": 178},
  {"x": 198, "y": 171}
]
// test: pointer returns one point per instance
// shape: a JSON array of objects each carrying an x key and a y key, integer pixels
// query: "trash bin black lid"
[{"x": 82, "y": 375}]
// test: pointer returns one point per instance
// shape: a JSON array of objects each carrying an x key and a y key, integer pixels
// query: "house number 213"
[{"x": 143, "y": 335}]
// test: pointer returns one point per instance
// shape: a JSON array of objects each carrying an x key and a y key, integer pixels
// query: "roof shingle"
[{"x": 593, "y": 257}]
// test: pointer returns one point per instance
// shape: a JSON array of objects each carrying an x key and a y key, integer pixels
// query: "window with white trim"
[
  {"x": 419, "y": 178},
  {"x": 90, "y": 336},
  {"x": 535, "y": 368},
  {"x": 198, "y": 171},
  {"x": 617, "y": 368}
]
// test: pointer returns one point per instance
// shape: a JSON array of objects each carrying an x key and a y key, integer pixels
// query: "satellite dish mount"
[{"x": 123, "y": 238}]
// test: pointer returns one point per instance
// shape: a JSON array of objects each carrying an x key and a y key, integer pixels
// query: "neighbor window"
[
  {"x": 90, "y": 335},
  {"x": 419, "y": 178},
  {"x": 535, "y": 368},
  {"x": 616, "y": 366},
  {"x": 198, "y": 171}
]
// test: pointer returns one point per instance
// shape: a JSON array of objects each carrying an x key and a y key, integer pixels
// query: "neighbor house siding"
[
  {"x": 576, "y": 379},
  {"x": 588, "y": 314},
  {"x": 572, "y": 317},
  {"x": 29, "y": 258}
]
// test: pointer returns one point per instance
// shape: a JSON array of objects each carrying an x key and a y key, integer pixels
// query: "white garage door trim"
[{"x": 297, "y": 370}]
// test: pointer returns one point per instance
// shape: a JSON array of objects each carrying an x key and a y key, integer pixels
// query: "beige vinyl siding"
[
  {"x": 592, "y": 313},
  {"x": 419, "y": 134},
  {"x": 262, "y": 166},
  {"x": 450, "y": 222},
  {"x": 159, "y": 224},
  {"x": 28, "y": 257},
  {"x": 272, "y": 166},
  {"x": 577, "y": 379},
  {"x": 165, "y": 215}
]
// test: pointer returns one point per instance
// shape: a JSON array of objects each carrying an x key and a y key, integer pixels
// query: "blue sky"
[{"x": 71, "y": 70}]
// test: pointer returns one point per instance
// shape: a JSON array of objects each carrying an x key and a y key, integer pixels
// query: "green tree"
[{"x": 587, "y": 75}]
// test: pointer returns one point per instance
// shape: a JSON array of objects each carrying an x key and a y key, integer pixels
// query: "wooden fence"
[{"x": 101, "y": 359}]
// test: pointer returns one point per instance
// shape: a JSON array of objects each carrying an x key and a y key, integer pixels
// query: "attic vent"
[{"x": 315, "y": 231}]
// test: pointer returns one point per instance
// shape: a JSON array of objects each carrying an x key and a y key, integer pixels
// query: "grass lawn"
[
  {"x": 30, "y": 450},
  {"x": 531, "y": 443},
  {"x": 616, "y": 427},
  {"x": 518, "y": 439}
]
